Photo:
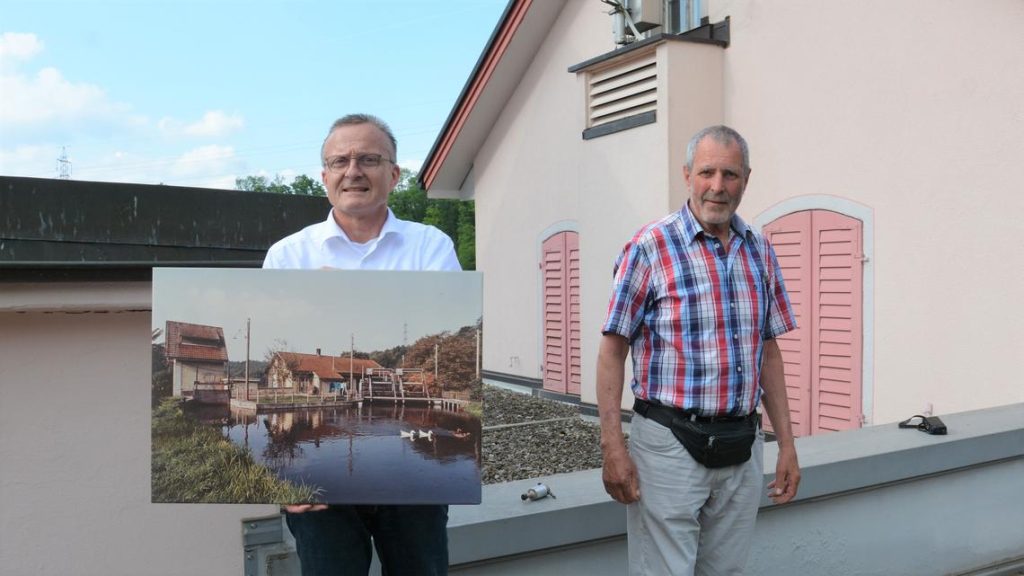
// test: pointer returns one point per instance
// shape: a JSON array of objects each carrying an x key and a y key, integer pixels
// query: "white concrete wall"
[
  {"x": 916, "y": 110},
  {"x": 527, "y": 179},
  {"x": 75, "y": 446}
]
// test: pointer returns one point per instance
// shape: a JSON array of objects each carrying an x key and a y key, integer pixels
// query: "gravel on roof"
[{"x": 527, "y": 437}]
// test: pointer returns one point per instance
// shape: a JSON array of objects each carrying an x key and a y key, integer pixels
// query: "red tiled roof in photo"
[
  {"x": 326, "y": 367},
  {"x": 195, "y": 342}
]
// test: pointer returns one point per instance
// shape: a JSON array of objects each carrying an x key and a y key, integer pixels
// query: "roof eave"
[{"x": 505, "y": 59}]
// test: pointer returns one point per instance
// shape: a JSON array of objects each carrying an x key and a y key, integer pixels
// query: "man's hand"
[
  {"x": 619, "y": 475},
  {"x": 776, "y": 405},
  {"x": 787, "y": 476},
  {"x": 300, "y": 508}
]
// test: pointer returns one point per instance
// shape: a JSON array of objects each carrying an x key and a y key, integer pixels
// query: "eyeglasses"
[{"x": 340, "y": 164}]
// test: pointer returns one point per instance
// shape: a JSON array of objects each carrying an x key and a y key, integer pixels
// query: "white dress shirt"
[{"x": 401, "y": 245}]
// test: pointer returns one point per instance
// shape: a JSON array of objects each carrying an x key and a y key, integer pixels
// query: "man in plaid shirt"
[{"x": 698, "y": 298}]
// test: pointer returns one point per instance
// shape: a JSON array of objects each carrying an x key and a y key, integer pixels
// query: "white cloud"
[
  {"x": 203, "y": 158},
  {"x": 46, "y": 101},
  {"x": 37, "y": 161},
  {"x": 215, "y": 123},
  {"x": 169, "y": 126},
  {"x": 413, "y": 164},
  {"x": 41, "y": 110},
  {"x": 204, "y": 167},
  {"x": 220, "y": 182},
  {"x": 15, "y": 46},
  {"x": 210, "y": 166},
  {"x": 49, "y": 97}
]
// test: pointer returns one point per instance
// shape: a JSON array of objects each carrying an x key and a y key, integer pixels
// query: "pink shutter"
[
  {"x": 572, "y": 329},
  {"x": 819, "y": 252},
  {"x": 555, "y": 311},
  {"x": 836, "y": 347},
  {"x": 560, "y": 273},
  {"x": 790, "y": 237}
]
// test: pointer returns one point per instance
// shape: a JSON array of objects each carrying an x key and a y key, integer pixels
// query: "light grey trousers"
[{"x": 690, "y": 519}]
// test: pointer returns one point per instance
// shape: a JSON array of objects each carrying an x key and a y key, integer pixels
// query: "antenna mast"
[{"x": 63, "y": 165}]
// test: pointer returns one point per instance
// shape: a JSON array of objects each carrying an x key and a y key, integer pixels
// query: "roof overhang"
[{"x": 512, "y": 46}]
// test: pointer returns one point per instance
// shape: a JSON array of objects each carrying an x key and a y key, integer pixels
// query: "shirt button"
[
  {"x": 739, "y": 368},
  {"x": 735, "y": 336}
]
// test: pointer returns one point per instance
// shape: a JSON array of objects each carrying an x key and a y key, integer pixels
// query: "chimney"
[{"x": 317, "y": 351}]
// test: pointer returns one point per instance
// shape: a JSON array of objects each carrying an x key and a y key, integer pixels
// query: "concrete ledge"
[
  {"x": 504, "y": 525},
  {"x": 832, "y": 465},
  {"x": 75, "y": 297}
]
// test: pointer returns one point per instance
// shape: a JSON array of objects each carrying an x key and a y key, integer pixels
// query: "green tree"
[
  {"x": 262, "y": 184},
  {"x": 161, "y": 384},
  {"x": 466, "y": 247},
  {"x": 444, "y": 214},
  {"x": 305, "y": 185},
  {"x": 301, "y": 184},
  {"x": 408, "y": 201},
  {"x": 390, "y": 358}
]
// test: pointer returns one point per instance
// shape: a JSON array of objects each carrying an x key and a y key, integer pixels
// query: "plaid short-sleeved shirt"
[{"x": 697, "y": 314}]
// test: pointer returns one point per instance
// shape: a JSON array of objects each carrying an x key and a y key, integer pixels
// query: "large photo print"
[{"x": 325, "y": 386}]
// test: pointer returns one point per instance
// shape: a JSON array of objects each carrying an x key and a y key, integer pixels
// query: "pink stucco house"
[{"x": 885, "y": 146}]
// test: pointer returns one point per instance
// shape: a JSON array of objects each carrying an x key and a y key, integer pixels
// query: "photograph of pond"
[{"x": 320, "y": 386}]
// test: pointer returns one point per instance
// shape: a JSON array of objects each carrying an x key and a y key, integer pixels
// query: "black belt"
[{"x": 663, "y": 414}]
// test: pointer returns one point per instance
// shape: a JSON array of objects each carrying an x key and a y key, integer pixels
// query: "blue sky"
[{"x": 197, "y": 93}]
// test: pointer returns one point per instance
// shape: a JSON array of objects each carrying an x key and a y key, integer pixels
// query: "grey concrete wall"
[
  {"x": 75, "y": 448},
  {"x": 875, "y": 501}
]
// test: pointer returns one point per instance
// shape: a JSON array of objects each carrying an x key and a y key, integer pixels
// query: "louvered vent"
[{"x": 623, "y": 91}]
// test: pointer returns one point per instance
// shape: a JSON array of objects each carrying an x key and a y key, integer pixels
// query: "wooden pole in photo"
[{"x": 247, "y": 334}]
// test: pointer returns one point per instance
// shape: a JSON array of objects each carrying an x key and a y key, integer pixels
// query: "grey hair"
[
  {"x": 356, "y": 119},
  {"x": 723, "y": 135}
]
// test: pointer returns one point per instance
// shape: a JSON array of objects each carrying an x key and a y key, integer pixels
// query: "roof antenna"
[{"x": 620, "y": 19}]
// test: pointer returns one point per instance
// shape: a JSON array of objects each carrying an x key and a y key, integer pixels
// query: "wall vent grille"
[{"x": 622, "y": 91}]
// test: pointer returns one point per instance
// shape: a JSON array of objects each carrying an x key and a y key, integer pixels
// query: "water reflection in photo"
[{"x": 381, "y": 453}]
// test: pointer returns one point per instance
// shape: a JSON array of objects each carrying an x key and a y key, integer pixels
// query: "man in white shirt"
[{"x": 361, "y": 232}]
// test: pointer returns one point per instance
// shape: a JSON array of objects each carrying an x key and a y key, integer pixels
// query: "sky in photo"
[
  {"x": 310, "y": 309},
  {"x": 200, "y": 92}
]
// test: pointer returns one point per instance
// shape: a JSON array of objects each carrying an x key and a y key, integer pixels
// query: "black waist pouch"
[{"x": 714, "y": 442}]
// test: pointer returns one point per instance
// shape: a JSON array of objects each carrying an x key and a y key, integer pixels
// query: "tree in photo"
[
  {"x": 162, "y": 386},
  {"x": 455, "y": 356}
]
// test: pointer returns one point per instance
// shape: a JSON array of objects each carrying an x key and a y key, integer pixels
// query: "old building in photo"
[
  {"x": 316, "y": 373},
  {"x": 196, "y": 354}
]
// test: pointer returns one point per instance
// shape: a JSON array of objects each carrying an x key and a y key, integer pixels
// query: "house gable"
[{"x": 195, "y": 342}]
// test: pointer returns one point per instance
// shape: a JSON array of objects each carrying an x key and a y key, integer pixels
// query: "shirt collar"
[
  {"x": 692, "y": 228},
  {"x": 330, "y": 229}
]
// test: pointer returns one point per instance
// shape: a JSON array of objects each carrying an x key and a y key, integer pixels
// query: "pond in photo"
[{"x": 380, "y": 453}]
